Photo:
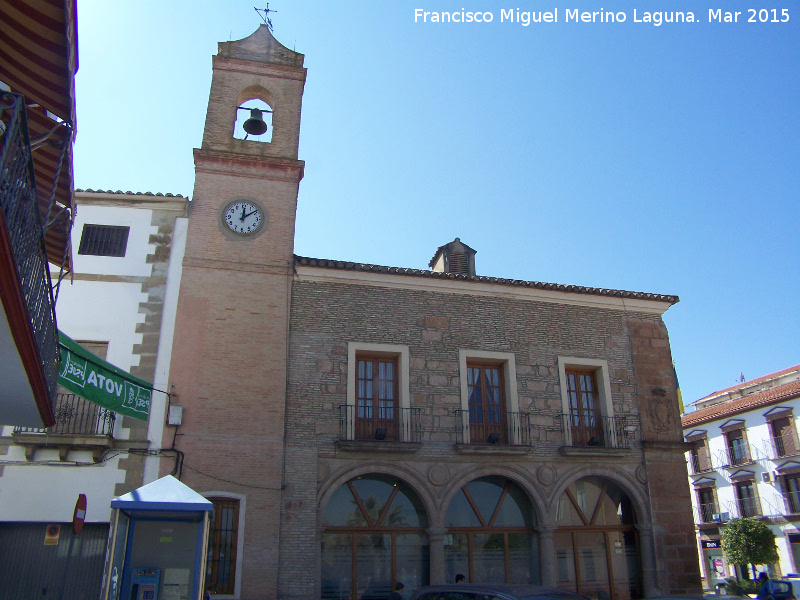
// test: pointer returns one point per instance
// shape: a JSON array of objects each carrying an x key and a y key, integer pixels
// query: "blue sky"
[{"x": 618, "y": 155}]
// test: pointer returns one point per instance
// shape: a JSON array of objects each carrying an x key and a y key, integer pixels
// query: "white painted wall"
[
  {"x": 46, "y": 489},
  {"x": 759, "y": 438}
]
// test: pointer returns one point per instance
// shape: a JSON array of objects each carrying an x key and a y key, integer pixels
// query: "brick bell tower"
[{"x": 228, "y": 368}]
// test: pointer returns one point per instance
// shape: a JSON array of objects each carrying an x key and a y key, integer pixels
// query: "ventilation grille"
[
  {"x": 104, "y": 240},
  {"x": 459, "y": 263}
]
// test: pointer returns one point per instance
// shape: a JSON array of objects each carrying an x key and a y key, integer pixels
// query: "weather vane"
[{"x": 265, "y": 16}]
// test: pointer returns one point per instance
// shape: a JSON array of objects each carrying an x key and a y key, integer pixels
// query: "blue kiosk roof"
[{"x": 165, "y": 494}]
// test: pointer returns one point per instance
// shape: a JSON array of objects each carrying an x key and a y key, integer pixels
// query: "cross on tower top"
[{"x": 265, "y": 16}]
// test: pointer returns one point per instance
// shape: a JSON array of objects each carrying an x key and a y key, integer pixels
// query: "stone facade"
[{"x": 264, "y": 365}]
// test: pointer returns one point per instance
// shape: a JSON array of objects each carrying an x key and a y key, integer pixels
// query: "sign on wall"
[{"x": 102, "y": 383}]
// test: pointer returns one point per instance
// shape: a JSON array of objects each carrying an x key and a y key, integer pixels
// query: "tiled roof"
[
  {"x": 747, "y": 384},
  {"x": 121, "y": 193},
  {"x": 557, "y": 287},
  {"x": 779, "y": 393}
]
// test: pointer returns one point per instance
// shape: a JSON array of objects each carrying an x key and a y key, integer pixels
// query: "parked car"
[
  {"x": 499, "y": 591},
  {"x": 782, "y": 589}
]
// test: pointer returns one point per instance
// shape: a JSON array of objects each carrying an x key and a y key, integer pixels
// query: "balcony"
[
  {"x": 784, "y": 445},
  {"x": 597, "y": 435},
  {"x": 699, "y": 464},
  {"x": 705, "y": 513},
  {"x": 748, "y": 507},
  {"x": 80, "y": 425},
  {"x": 492, "y": 429},
  {"x": 379, "y": 429},
  {"x": 792, "y": 502},
  {"x": 735, "y": 457},
  {"x": 30, "y": 339}
]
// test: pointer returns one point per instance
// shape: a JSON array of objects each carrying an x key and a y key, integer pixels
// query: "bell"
[{"x": 255, "y": 124}]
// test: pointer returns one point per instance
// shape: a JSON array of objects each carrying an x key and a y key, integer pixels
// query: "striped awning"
[{"x": 39, "y": 50}]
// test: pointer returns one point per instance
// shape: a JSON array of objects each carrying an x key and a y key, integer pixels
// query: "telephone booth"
[{"x": 157, "y": 543}]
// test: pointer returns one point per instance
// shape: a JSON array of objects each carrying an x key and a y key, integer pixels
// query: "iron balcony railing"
[
  {"x": 77, "y": 416},
  {"x": 734, "y": 457},
  {"x": 379, "y": 423},
  {"x": 704, "y": 513},
  {"x": 748, "y": 507},
  {"x": 596, "y": 431},
  {"x": 475, "y": 426},
  {"x": 700, "y": 464},
  {"x": 792, "y": 502},
  {"x": 785, "y": 445},
  {"x": 20, "y": 209}
]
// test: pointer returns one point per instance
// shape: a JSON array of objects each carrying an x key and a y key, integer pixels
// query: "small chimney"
[{"x": 455, "y": 257}]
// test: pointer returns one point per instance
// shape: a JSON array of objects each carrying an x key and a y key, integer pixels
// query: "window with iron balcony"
[
  {"x": 489, "y": 412},
  {"x": 587, "y": 409},
  {"x": 378, "y": 399}
]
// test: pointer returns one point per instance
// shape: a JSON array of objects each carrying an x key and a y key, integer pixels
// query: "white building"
[
  {"x": 120, "y": 304},
  {"x": 745, "y": 462}
]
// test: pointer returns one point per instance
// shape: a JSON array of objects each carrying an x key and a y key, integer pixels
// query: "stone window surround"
[
  {"x": 397, "y": 351},
  {"x": 600, "y": 368},
  {"x": 507, "y": 361},
  {"x": 698, "y": 438},
  {"x": 734, "y": 426},
  {"x": 702, "y": 485}
]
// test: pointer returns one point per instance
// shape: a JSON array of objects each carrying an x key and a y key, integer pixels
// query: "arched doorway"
[
  {"x": 374, "y": 534},
  {"x": 491, "y": 536},
  {"x": 597, "y": 551}
]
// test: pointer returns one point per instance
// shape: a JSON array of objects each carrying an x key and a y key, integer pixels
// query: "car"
[
  {"x": 493, "y": 591},
  {"x": 782, "y": 589}
]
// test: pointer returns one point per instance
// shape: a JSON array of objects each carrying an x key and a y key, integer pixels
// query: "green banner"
[{"x": 102, "y": 383}]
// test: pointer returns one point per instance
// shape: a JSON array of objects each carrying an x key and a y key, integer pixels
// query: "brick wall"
[{"x": 326, "y": 316}]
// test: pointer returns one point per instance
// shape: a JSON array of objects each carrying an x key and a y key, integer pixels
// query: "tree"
[{"x": 747, "y": 541}]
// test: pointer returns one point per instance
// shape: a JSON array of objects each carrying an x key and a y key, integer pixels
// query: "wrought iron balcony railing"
[
  {"x": 599, "y": 432},
  {"x": 77, "y": 416},
  {"x": 704, "y": 513},
  {"x": 20, "y": 209},
  {"x": 390, "y": 424},
  {"x": 492, "y": 427},
  {"x": 792, "y": 502},
  {"x": 785, "y": 445},
  {"x": 700, "y": 464},
  {"x": 734, "y": 457},
  {"x": 748, "y": 507}
]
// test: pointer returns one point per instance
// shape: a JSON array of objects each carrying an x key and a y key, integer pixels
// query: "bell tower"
[{"x": 228, "y": 366}]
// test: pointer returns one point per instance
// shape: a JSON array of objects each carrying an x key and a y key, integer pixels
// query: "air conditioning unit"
[
  {"x": 767, "y": 477},
  {"x": 721, "y": 517}
]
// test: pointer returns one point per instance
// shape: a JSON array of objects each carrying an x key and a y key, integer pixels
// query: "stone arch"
[
  {"x": 409, "y": 476},
  {"x": 374, "y": 525},
  {"x": 520, "y": 477},
  {"x": 626, "y": 481}
]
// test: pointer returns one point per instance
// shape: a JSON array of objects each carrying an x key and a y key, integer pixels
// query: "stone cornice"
[
  {"x": 416, "y": 281},
  {"x": 259, "y": 167}
]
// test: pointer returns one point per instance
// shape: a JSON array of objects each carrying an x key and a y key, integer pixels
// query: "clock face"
[{"x": 244, "y": 218}]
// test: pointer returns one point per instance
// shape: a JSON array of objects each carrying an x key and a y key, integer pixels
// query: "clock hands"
[{"x": 246, "y": 214}]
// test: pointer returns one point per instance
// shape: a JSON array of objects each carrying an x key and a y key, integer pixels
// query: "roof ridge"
[
  {"x": 560, "y": 287},
  {"x": 129, "y": 193}
]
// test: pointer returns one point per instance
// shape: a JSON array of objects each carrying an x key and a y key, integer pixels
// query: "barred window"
[
  {"x": 104, "y": 240},
  {"x": 222, "y": 543}
]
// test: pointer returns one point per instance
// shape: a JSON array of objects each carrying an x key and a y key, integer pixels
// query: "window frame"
[
  {"x": 400, "y": 354},
  {"x": 239, "y": 532},
  {"x": 375, "y": 421},
  {"x": 508, "y": 373},
  {"x": 791, "y": 498},
  {"x": 599, "y": 367},
  {"x": 755, "y": 502}
]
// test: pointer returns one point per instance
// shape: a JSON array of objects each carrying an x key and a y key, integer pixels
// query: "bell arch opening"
[{"x": 253, "y": 121}]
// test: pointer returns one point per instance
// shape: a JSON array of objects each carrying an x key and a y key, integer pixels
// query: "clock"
[{"x": 243, "y": 217}]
